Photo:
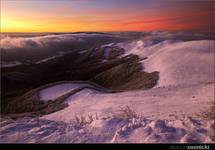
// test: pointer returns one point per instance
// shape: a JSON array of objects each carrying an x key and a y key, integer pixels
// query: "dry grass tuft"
[
  {"x": 84, "y": 120},
  {"x": 127, "y": 113}
]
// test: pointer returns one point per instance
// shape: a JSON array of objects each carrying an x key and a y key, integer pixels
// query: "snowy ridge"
[{"x": 177, "y": 62}]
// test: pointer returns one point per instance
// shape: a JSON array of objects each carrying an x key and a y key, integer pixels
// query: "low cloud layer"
[
  {"x": 8, "y": 42},
  {"x": 27, "y": 47}
]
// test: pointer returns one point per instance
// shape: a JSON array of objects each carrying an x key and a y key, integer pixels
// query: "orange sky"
[{"x": 105, "y": 15}]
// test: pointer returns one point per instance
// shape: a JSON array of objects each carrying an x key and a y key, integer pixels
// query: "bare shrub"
[
  {"x": 210, "y": 114},
  {"x": 84, "y": 120},
  {"x": 127, "y": 113}
]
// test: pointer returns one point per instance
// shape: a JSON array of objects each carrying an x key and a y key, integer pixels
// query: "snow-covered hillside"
[
  {"x": 173, "y": 111},
  {"x": 178, "y": 62}
]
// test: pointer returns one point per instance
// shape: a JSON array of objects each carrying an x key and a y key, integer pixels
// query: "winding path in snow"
[{"x": 55, "y": 90}]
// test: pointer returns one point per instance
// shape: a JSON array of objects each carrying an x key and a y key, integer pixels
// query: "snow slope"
[
  {"x": 185, "y": 89},
  {"x": 183, "y": 63},
  {"x": 169, "y": 115},
  {"x": 178, "y": 62},
  {"x": 155, "y": 103}
]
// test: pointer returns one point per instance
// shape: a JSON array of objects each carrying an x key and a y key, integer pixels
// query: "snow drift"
[{"x": 143, "y": 130}]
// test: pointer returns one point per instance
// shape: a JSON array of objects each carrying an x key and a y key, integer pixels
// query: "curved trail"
[
  {"x": 35, "y": 93},
  {"x": 68, "y": 88}
]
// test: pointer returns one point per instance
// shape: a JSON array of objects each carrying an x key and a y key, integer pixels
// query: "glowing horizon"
[{"x": 105, "y": 15}]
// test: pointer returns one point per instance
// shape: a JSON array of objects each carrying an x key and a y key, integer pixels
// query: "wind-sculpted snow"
[{"x": 112, "y": 130}]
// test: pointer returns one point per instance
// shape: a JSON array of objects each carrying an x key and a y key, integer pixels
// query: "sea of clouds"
[{"x": 8, "y": 42}]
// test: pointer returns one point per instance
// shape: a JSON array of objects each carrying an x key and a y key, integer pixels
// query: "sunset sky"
[{"x": 105, "y": 15}]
